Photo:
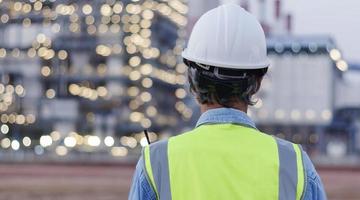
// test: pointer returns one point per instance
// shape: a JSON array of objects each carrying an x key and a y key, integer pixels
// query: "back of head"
[{"x": 226, "y": 55}]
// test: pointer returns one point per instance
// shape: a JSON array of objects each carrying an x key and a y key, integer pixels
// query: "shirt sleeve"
[
  {"x": 140, "y": 188},
  {"x": 314, "y": 189}
]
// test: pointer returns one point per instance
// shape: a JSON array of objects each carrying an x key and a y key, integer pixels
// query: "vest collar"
[{"x": 224, "y": 116}]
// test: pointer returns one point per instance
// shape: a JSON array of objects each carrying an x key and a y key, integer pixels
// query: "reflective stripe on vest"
[
  {"x": 288, "y": 170},
  {"x": 291, "y": 183},
  {"x": 159, "y": 172}
]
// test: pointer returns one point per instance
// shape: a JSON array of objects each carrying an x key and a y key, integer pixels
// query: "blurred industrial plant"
[{"x": 81, "y": 80}]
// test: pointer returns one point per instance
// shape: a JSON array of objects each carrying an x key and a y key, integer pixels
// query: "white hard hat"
[{"x": 228, "y": 37}]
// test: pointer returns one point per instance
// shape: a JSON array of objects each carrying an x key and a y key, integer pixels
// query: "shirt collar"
[{"x": 225, "y": 115}]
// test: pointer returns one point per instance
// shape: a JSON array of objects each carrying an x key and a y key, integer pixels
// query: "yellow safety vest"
[{"x": 225, "y": 161}]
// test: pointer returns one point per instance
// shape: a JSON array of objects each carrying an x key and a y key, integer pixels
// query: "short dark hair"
[{"x": 211, "y": 84}]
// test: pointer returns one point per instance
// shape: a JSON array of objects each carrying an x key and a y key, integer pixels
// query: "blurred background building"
[
  {"x": 80, "y": 81},
  {"x": 79, "y": 77},
  {"x": 83, "y": 79}
]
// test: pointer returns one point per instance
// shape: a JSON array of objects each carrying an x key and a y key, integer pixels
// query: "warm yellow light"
[
  {"x": 135, "y": 75},
  {"x": 180, "y": 106},
  {"x": 17, "y": 6},
  {"x": 26, "y": 22},
  {"x": 74, "y": 89},
  {"x": 9, "y": 89},
  {"x": 4, "y": 18},
  {"x": 109, "y": 141},
  {"x": 61, "y": 151},
  {"x": 41, "y": 38},
  {"x": 145, "y": 96},
  {"x": 146, "y": 69},
  {"x": 37, "y": 5},
  {"x": 335, "y": 54},
  {"x": 5, "y": 143},
  {"x": 133, "y": 9},
  {"x": 145, "y": 123},
  {"x": 145, "y": 33},
  {"x": 26, "y": 141},
  {"x": 4, "y": 129},
  {"x": 131, "y": 49},
  {"x": 180, "y": 93},
  {"x": 117, "y": 49},
  {"x": 115, "y": 28},
  {"x": 19, "y": 90},
  {"x": 12, "y": 118},
  {"x": 93, "y": 141},
  {"x": 134, "y": 28},
  {"x": 181, "y": 79},
  {"x": 151, "y": 111},
  {"x": 133, "y": 105},
  {"x": 181, "y": 68},
  {"x": 50, "y": 93},
  {"x": 20, "y": 119},
  {"x": 148, "y": 14},
  {"x": 70, "y": 141},
  {"x": 103, "y": 28},
  {"x": 115, "y": 19},
  {"x": 106, "y": 10},
  {"x": 15, "y": 145},
  {"x": 2, "y": 53},
  {"x": 136, "y": 116},
  {"x": 135, "y": 19},
  {"x": 91, "y": 29},
  {"x": 30, "y": 118},
  {"x": 147, "y": 83},
  {"x": 105, "y": 19},
  {"x": 26, "y": 8},
  {"x": 62, "y": 54},
  {"x": 49, "y": 54},
  {"x": 4, "y": 118},
  {"x": 102, "y": 91},
  {"x": 74, "y": 27},
  {"x": 279, "y": 114},
  {"x": 326, "y": 114},
  {"x": 87, "y": 9},
  {"x": 89, "y": 20},
  {"x": 187, "y": 113},
  {"x": 103, "y": 50},
  {"x": 342, "y": 65},
  {"x": 117, "y": 8},
  {"x": 135, "y": 61},
  {"x": 55, "y": 135},
  {"x": 119, "y": 151},
  {"x": 46, "y": 140},
  {"x": 45, "y": 71},
  {"x": 295, "y": 115},
  {"x": 31, "y": 53},
  {"x": 145, "y": 24}
]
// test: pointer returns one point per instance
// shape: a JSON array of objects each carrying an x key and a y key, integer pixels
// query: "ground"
[{"x": 110, "y": 182}]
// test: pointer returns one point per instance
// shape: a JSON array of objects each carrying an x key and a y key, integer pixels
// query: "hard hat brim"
[{"x": 227, "y": 65}]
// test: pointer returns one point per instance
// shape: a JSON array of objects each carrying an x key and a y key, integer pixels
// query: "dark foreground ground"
[{"x": 110, "y": 182}]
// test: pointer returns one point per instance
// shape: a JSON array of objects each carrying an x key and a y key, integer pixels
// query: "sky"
[{"x": 337, "y": 18}]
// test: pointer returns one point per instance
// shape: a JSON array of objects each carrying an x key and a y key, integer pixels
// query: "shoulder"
[
  {"x": 283, "y": 143},
  {"x": 141, "y": 188},
  {"x": 314, "y": 189}
]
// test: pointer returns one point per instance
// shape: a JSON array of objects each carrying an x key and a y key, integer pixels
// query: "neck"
[{"x": 238, "y": 106}]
